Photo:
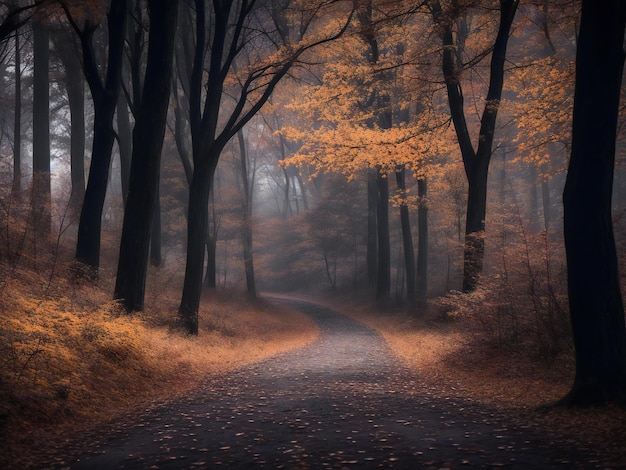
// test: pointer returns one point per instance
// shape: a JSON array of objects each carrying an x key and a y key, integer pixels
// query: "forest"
[{"x": 188, "y": 188}]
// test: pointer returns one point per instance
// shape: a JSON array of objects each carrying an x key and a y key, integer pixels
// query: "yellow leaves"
[
  {"x": 347, "y": 147},
  {"x": 543, "y": 111}
]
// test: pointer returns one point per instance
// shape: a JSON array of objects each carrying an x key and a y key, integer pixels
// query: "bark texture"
[
  {"x": 143, "y": 187},
  {"x": 596, "y": 306},
  {"x": 475, "y": 160}
]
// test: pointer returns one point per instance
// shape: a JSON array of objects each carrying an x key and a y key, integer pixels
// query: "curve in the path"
[{"x": 343, "y": 402}]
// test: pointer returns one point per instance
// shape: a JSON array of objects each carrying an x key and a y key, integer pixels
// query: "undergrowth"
[{"x": 69, "y": 357}]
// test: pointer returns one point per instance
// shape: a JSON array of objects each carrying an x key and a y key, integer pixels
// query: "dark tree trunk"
[
  {"x": 213, "y": 228},
  {"x": 104, "y": 101},
  {"x": 596, "y": 306},
  {"x": 76, "y": 98},
  {"x": 248, "y": 257},
  {"x": 181, "y": 130},
  {"x": 407, "y": 238},
  {"x": 474, "y": 247},
  {"x": 383, "y": 273},
  {"x": 196, "y": 241},
  {"x": 287, "y": 205},
  {"x": 476, "y": 162},
  {"x": 210, "y": 277},
  {"x": 208, "y": 137},
  {"x": 305, "y": 199},
  {"x": 41, "y": 130},
  {"x": 547, "y": 204},
  {"x": 534, "y": 223},
  {"x": 124, "y": 139},
  {"x": 372, "y": 237},
  {"x": 156, "y": 255},
  {"x": 145, "y": 166},
  {"x": 17, "y": 121},
  {"x": 422, "y": 242},
  {"x": 283, "y": 155},
  {"x": 68, "y": 51}
]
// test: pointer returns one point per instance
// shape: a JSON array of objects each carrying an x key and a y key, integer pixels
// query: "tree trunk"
[
  {"x": 104, "y": 101},
  {"x": 41, "y": 130},
  {"x": 248, "y": 257},
  {"x": 422, "y": 242},
  {"x": 534, "y": 224},
  {"x": 547, "y": 204},
  {"x": 156, "y": 255},
  {"x": 68, "y": 52},
  {"x": 146, "y": 162},
  {"x": 196, "y": 241},
  {"x": 305, "y": 200},
  {"x": 287, "y": 205},
  {"x": 476, "y": 162},
  {"x": 124, "y": 134},
  {"x": 17, "y": 122},
  {"x": 372, "y": 237},
  {"x": 383, "y": 272},
  {"x": 210, "y": 278},
  {"x": 407, "y": 238},
  {"x": 76, "y": 97},
  {"x": 474, "y": 247},
  {"x": 596, "y": 306}
]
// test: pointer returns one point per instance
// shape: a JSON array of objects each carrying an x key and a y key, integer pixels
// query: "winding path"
[{"x": 343, "y": 402}]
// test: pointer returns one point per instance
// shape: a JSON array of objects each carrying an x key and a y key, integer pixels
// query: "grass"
[{"x": 70, "y": 360}]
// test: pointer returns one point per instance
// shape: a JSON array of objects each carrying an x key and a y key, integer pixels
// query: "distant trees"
[
  {"x": 41, "y": 127},
  {"x": 595, "y": 300}
]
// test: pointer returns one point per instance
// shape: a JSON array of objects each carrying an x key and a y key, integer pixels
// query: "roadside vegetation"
[{"x": 70, "y": 359}]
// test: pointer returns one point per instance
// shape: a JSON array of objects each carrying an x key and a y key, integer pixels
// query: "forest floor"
[
  {"x": 457, "y": 359},
  {"x": 344, "y": 401},
  {"x": 70, "y": 360}
]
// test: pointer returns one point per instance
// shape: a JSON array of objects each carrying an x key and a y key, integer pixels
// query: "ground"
[{"x": 345, "y": 400}]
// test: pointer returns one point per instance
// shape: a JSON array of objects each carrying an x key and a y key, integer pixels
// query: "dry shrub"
[
  {"x": 69, "y": 357},
  {"x": 520, "y": 305}
]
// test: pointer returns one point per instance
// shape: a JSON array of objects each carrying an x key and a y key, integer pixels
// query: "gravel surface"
[{"x": 343, "y": 402}]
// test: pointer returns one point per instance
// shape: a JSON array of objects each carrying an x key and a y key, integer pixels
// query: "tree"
[
  {"x": 41, "y": 128},
  {"x": 212, "y": 127},
  {"x": 145, "y": 165},
  {"x": 17, "y": 121},
  {"x": 422, "y": 243},
  {"x": 407, "y": 237},
  {"x": 104, "y": 95},
  {"x": 75, "y": 86},
  {"x": 246, "y": 197},
  {"x": 596, "y": 306},
  {"x": 475, "y": 160}
]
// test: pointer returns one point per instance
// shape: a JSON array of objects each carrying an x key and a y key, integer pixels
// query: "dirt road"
[{"x": 343, "y": 402}]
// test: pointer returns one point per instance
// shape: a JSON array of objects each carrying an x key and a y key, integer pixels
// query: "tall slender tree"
[
  {"x": 211, "y": 129},
  {"x": 41, "y": 128},
  {"x": 407, "y": 237},
  {"x": 148, "y": 137},
  {"x": 68, "y": 52},
  {"x": 104, "y": 94},
  {"x": 422, "y": 242},
  {"x": 17, "y": 121},
  {"x": 595, "y": 300},
  {"x": 246, "y": 197},
  {"x": 475, "y": 159}
]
